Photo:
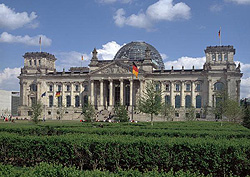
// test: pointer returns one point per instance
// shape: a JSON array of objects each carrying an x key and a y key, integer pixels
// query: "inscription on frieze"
[{"x": 114, "y": 70}]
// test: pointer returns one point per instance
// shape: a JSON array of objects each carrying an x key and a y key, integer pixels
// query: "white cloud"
[
  {"x": 12, "y": 20},
  {"x": 166, "y": 10},
  {"x": 27, "y": 40},
  {"x": 216, "y": 8},
  {"x": 163, "y": 10},
  {"x": 239, "y": 1},
  {"x": 71, "y": 59},
  {"x": 163, "y": 56},
  {"x": 113, "y": 1},
  {"x": 187, "y": 62},
  {"x": 108, "y": 50},
  {"x": 9, "y": 80}
]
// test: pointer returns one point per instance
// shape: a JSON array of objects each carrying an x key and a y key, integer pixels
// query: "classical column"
[
  {"x": 92, "y": 97},
  {"x": 110, "y": 93},
  {"x": 38, "y": 91},
  {"x": 162, "y": 92},
  {"x": 121, "y": 91},
  {"x": 182, "y": 94},
  {"x": 25, "y": 96},
  {"x": 71, "y": 94},
  {"x": 54, "y": 95},
  {"x": 193, "y": 93},
  {"x": 210, "y": 96},
  {"x": 172, "y": 94},
  {"x": 64, "y": 102},
  {"x": 131, "y": 93},
  {"x": 101, "y": 94},
  {"x": 141, "y": 87}
]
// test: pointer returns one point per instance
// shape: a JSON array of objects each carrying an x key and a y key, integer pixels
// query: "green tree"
[
  {"x": 246, "y": 118},
  {"x": 190, "y": 114},
  {"x": 36, "y": 111},
  {"x": 150, "y": 101},
  {"x": 233, "y": 111},
  {"x": 168, "y": 111},
  {"x": 121, "y": 114},
  {"x": 88, "y": 112},
  {"x": 227, "y": 107}
]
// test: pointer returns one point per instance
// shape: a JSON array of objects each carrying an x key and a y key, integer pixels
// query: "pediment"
[{"x": 113, "y": 68}]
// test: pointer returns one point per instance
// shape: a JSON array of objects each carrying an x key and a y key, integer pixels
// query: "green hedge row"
[
  {"x": 53, "y": 170},
  {"x": 107, "y": 130},
  {"x": 90, "y": 152}
]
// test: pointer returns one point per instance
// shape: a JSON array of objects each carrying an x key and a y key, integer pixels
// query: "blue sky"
[{"x": 179, "y": 29}]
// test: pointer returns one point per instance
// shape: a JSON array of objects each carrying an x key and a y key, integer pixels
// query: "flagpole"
[
  {"x": 220, "y": 36},
  {"x": 40, "y": 42}
]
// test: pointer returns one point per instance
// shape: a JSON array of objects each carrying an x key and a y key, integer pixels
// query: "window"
[
  {"x": 167, "y": 87},
  {"x": 85, "y": 100},
  {"x": 218, "y": 86},
  {"x": 35, "y": 62},
  {"x": 68, "y": 101},
  {"x": 176, "y": 114},
  {"x": 39, "y": 62},
  {"x": 213, "y": 57},
  {"x": 33, "y": 101},
  {"x": 59, "y": 88},
  {"x": 33, "y": 87},
  {"x": 226, "y": 57},
  {"x": 59, "y": 101},
  {"x": 50, "y": 101},
  {"x": 167, "y": 99},
  {"x": 77, "y": 101},
  {"x": 219, "y": 57},
  {"x": 177, "y": 101},
  {"x": 177, "y": 87},
  {"x": 30, "y": 62},
  {"x": 49, "y": 112},
  {"x": 85, "y": 88},
  {"x": 157, "y": 87},
  {"x": 77, "y": 88},
  {"x": 198, "y": 101},
  {"x": 198, "y": 87},
  {"x": 68, "y": 88},
  {"x": 188, "y": 101},
  {"x": 50, "y": 88},
  {"x": 188, "y": 87}
]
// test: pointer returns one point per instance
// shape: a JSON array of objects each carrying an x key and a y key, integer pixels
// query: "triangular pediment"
[{"x": 115, "y": 67}]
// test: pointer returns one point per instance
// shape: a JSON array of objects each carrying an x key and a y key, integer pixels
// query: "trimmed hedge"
[
  {"x": 91, "y": 152},
  {"x": 130, "y": 130},
  {"x": 52, "y": 170}
]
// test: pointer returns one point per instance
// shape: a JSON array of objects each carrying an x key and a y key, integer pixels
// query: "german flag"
[
  {"x": 58, "y": 93},
  {"x": 135, "y": 70}
]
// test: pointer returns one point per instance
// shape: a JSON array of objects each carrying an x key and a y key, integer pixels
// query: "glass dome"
[{"x": 136, "y": 51}]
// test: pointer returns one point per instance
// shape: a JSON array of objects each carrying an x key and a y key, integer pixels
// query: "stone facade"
[{"x": 107, "y": 82}]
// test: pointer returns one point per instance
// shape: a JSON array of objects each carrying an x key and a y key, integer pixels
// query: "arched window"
[
  {"x": 177, "y": 101},
  {"x": 188, "y": 101},
  {"x": 77, "y": 101},
  {"x": 218, "y": 86},
  {"x": 33, "y": 87},
  {"x": 167, "y": 99},
  {"x": 198, "y": 101},
  {"x": 50, "y": 101},
  {"x": 68, "y": 100},
  {"x": 85, "y": 100}
]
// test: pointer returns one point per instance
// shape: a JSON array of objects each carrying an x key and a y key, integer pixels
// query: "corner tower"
[
  {"x": 220, "y": 57},
  {"x": 38, "y": 62}
]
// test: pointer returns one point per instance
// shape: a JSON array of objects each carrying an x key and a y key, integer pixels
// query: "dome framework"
[{"x": 136, "y": 51}]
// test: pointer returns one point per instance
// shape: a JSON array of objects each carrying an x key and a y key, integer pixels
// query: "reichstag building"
[{"x": 104, "y": 83}]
